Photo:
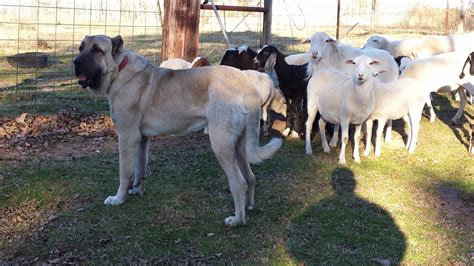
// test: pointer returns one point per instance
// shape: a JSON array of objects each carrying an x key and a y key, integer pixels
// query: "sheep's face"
[
  {"x": 321, "y": 44},
  {"x": 364, "y": 68},
  {"x": 263, "y": 55},
  {"x": 375, "y": 41}
]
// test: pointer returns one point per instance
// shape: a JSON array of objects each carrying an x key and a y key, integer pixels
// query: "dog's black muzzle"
[{"x": 87, "y": 73}]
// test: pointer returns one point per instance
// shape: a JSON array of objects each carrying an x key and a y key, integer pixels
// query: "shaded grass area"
[{"x": 308, "y": 210}]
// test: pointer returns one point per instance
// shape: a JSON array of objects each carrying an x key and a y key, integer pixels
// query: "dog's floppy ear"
[{"x": 117, "y": 45}]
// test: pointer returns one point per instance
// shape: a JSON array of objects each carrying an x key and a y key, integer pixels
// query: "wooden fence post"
[
  {"x": 180, "y": 29},
  {"x": 267, "y": 22}
]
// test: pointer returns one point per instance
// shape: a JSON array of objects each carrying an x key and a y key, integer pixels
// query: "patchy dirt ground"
[{"x": 66, "y": 135}]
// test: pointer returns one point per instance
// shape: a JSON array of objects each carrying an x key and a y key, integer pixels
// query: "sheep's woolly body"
[
  {"x": 419, "y": 48},
  {"x": 440, "y": 73},
  {"x": 341, "y": 99},
  {"x": 401, "y": 98}
]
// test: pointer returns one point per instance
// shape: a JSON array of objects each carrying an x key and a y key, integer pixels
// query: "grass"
[{"x": 309, "y": 210}]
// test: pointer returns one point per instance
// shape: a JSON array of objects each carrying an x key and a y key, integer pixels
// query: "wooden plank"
[{"x": 180, "y": 29}]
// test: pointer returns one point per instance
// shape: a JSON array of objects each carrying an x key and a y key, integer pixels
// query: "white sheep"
[
  {"x": 342, "y": 99},
  {"x": 298, "y": 59},
  {"x": 440, "y": 73},
  {"x": 426, "y": 46},
  {"x": 401, "y": 98},
  {"x": 178, "y": 63},
  {"x": 327, "y": 52}
]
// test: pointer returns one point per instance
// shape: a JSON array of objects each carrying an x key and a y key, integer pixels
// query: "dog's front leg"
[
  {"x": 128, "y": 146},
  {"x": 141, "y": 162}
]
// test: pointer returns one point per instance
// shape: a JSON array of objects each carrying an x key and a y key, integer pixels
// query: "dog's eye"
[{"x": 96, "y": 49}]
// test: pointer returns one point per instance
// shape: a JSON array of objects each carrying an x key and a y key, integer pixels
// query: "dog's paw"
[
  {"x": 286, "y": 132},
  {"x": 136, "y": 191},
  {"x": 113, "y": 200},
  {"x": 233, "y": 221}
]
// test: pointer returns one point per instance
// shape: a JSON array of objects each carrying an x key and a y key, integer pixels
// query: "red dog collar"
[{"x": 123, "y": 63}]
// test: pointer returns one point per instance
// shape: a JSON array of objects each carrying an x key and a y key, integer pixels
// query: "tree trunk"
[{"x": 180, "y": 29}]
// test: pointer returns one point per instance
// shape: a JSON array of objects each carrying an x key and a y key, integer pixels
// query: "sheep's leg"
[
  {"x": 462, "y": 95},
  {"x": 312, "y": 111},
  {"x": 368, "y": 138},
  {"x": 322, "y": 131},
  {"x": 432, "y": 113},
  {"x": 378, "y": 137},
  {"x": 388, "y": 133},
  {"x": 406, "y": 118},
  {"x": 335, "y": 136},
  {"x": 355, "y": 154},
  {"x": 265, "y": 118},
  {"x": 344, "y": 139},
  {"x": 415, "y": 129}
]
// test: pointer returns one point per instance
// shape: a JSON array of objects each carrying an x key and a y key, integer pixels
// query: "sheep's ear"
[
  {"x": 378, "y": 72},
  {"x": 375, "y": 62},
  {"x": 349, "y": 61},
  {"x": 271, "y": 61},
  {"x": 306, "y": 41}
]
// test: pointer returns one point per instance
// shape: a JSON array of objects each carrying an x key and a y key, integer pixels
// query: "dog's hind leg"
[
  {"x": 141, "y": 162},
  {"x": 244, "y": 166},
  {"x": 223, "y": 144},
  {"x": 128, "y": 145}
]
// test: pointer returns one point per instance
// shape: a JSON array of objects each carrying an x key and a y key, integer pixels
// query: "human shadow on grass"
[{"x": 345, "y": 229}]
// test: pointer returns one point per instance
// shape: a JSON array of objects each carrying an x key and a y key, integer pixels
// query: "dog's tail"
[{"x": 256, "y": 153}]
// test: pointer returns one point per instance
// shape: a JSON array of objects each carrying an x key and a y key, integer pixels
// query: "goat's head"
[
  {"x": 241, "y": 58},
  {"x": 375, "y": 41},
  {"x": 263, "y": 54},
  {"x": 364, "y": 68},
  {"x": 321, "y": 44}
]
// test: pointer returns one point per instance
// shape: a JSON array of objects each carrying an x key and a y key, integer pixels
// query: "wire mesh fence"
[{"x": 55, "y": 28}]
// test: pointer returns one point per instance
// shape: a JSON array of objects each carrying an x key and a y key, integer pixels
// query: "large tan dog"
[{"x": 146, "y": 100}]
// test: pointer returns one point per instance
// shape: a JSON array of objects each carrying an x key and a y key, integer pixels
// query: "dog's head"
[{"x": 97, "y": 61}]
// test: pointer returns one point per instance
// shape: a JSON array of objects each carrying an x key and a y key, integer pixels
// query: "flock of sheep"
[{"x": 349, "y": 85}]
